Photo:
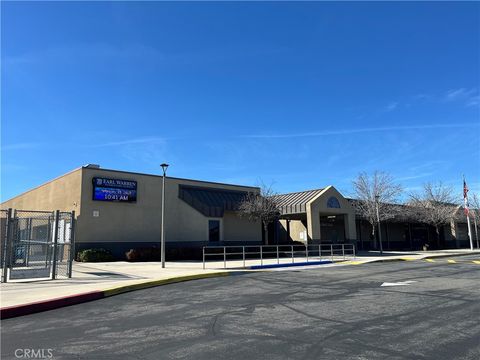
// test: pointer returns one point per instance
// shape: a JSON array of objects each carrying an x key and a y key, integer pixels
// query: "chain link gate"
[
  {"x": 3, "y": 238},
  {"x": 37, "y": 244}
]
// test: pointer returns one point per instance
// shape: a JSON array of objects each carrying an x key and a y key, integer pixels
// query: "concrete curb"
[
  {"x": 45, "y": 305},
  {"x": 406, "y": 258},
  {"x": 444, "y": 256},
  {"x": 152, "y": 283},
  {"x": 304, "y": 263}
]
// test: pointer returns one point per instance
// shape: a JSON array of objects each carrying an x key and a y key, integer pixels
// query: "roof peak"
[{"x": 304, "y": 191}]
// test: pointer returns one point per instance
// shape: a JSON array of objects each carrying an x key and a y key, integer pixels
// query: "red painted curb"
[{"x": 31, "y": 308}]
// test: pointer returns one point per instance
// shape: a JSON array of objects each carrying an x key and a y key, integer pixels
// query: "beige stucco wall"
[
  {"x": 141, "y": 221},
  {"x": 297, "y": 227},
  {"x": 62, "y": 193},
  {"x": 236, "y": 228},
  {"x": 318, "y": 206},
  {"x": 133, "y": 222}
]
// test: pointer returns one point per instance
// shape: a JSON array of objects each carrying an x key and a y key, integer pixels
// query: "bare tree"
[
  {"x": 475, "y": 210},
  {"x": 376, "y": 195},
  {"x": 434, "y": 205},
  {"x": 261, "y": 206}
]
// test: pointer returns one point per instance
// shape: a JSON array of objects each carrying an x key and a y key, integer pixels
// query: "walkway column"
[
  {"x": 313, "y": 224},
  {"x": 289, "y": 237},
  {"x": 350, "y": 226}
]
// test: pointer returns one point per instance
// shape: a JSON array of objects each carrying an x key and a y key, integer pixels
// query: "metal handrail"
[{"x": 332, "y": 250}]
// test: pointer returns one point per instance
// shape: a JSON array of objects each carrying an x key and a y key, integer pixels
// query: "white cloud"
[
  {"x": 21, "y": 146},
  {"x": 474, "y": 101},
  {"x": 86, "y": 52},
  {"x": 360, "y": 130},
  {"x": 453, "y": 94},
  {"x": 423, "y": 97},
  {"x": 468, "y": 96},
  {"x": 141, "y": 140},
  {"x": 391, "y": 106},
  {"x": 414, "y": 177}
]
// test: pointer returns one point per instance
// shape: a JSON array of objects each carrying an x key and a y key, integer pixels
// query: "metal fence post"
[
  {"x": 203, "y": 257},
  {"x": 306, "y": 251},
  {"x": 353, "y": 248},
  {"x": 72, "y": 244},
  {"x": 4, "y": 245},
  {"x": 343, "y": 251},
  {"x": 331, "y": 251},
  {"x": 261, "y": 255},
  {"x": 55, "y": 242},
  {"x": 8, "y": 246},
  {"x": 293, "y": 260},
  {"x": 278, "y": 256},
  {"x": 28, "y": 232},
  {"x": 224, "y": 257},
  {"x": 47, "y": 244},
  {"x": 243, "y": 253},
  {"x": 319, "y": 252}
]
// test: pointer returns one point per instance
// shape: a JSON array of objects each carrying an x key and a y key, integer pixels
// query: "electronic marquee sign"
[{"x": 114, "y": 190}]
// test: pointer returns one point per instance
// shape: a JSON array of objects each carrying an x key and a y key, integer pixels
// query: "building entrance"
[{"x": 332, "y": 229}]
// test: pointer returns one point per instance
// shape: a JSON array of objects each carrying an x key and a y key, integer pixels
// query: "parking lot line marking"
[
  {"x": 452, "y": 261},
  {"x": 430, "y": 260},
  {"x": 408, "y": 259},
  {"x": 476, "y": 262},
  {"x": 400, "y": 283}
]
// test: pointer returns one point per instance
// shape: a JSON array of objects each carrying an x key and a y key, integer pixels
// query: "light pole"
[
  {"x": 162, "y": 242},
  {"x": 377, "y": 197}
]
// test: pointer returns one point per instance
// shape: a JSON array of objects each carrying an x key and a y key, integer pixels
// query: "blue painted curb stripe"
[{"x": 271, "y": 266}]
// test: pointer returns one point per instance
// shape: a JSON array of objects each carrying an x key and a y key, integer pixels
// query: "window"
[
  {"x": 333, "y": 203},
  {"x": 214, "y": 230}
]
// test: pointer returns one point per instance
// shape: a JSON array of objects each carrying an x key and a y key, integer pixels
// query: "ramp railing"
[{"x": 243, "y": 255}]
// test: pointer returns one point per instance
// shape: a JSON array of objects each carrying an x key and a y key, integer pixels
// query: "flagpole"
[
  {"x": 465, "y": 204},
  {"x": 476, "y": 230},
  {"x": 470, "y": 233}
]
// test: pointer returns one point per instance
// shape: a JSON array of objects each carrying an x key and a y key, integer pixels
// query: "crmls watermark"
[{"x": 34, "y": 353}]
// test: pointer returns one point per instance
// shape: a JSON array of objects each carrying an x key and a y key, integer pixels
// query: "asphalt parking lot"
[{"x": 424, "y": 310}]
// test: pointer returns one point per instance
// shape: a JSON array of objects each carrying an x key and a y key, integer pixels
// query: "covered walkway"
[{"x": 316, "y": 216}]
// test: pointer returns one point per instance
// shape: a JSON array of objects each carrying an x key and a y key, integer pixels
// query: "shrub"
[
  {"x": 172, "y": 254},
  {"x": 143, "y": 254},
  {"x": 94, "y": 255}
]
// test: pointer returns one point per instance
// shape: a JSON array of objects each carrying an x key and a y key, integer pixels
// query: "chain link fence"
[
  {"x": 3, "y": 237},
  {"x": 64, "y": 255},
  {"x": 37, "y": 244}
]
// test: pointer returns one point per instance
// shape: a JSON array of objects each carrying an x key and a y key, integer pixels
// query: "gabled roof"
[
  {"x": 211, "y": 202},
  {"x": 293, "y": 203}
]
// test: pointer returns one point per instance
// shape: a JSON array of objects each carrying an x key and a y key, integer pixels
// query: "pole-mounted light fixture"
[
  {"x": 377, "y": 200},
  {"x": 164, "y": 167}
]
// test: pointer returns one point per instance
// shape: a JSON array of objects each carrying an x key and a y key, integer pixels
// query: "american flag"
[{"x": 465, "y": 196}]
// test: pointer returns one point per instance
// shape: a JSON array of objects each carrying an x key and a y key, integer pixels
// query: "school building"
[{"x": 120, "y": 210}]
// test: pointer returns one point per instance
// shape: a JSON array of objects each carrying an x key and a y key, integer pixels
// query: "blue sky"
[{"x": 301, "y": 95}]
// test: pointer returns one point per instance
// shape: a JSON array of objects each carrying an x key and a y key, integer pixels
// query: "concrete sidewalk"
[
  {"x": 117, "y": 277},
  {"x": 89, "y": 277}
]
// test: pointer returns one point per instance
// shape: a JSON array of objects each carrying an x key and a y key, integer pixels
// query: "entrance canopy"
[
  {"x": 296, "y": 203},
  {"x": 312, "y": 204}
]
